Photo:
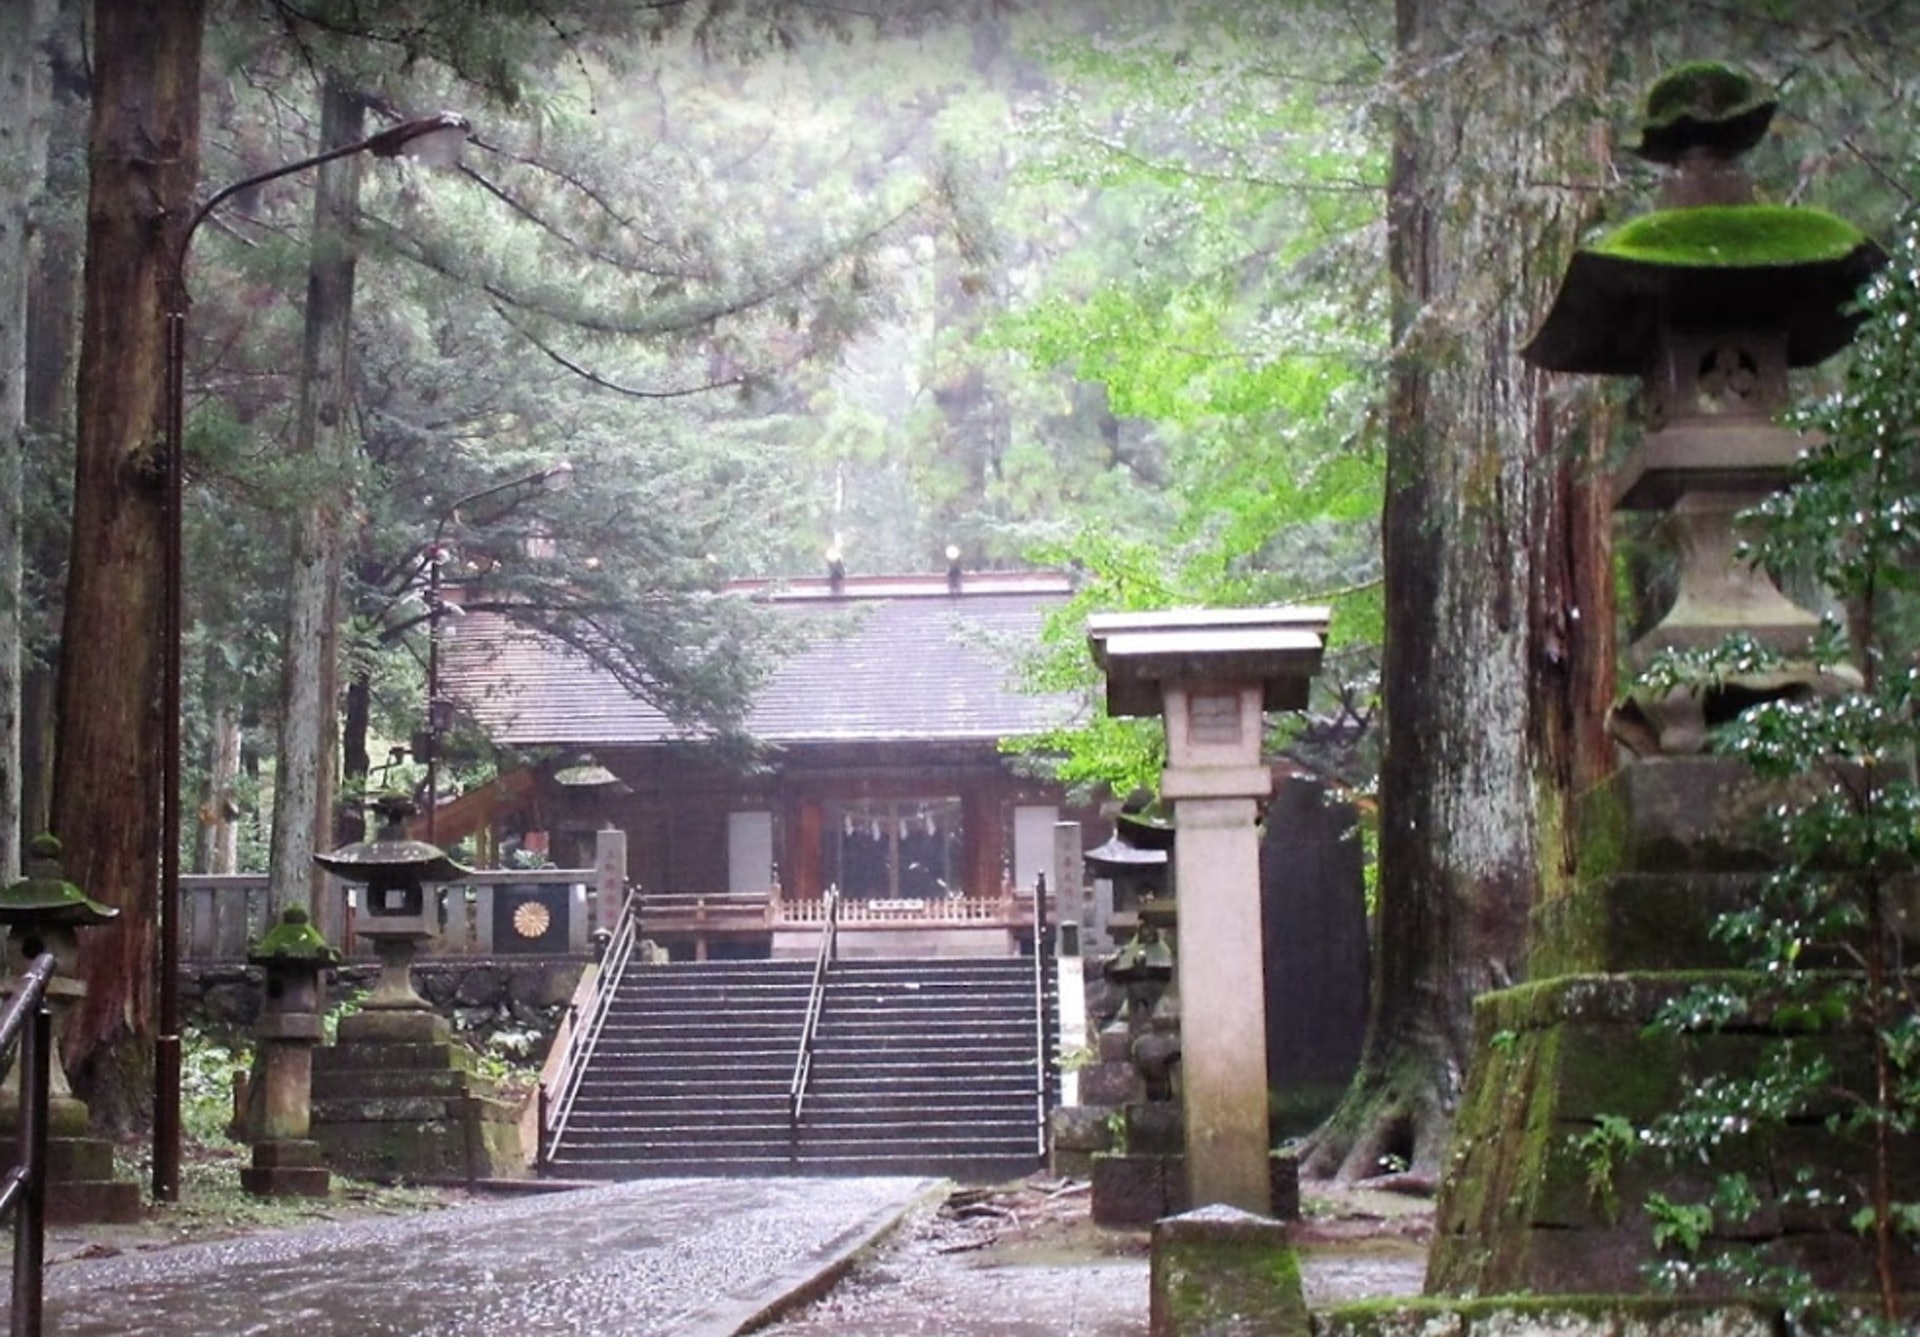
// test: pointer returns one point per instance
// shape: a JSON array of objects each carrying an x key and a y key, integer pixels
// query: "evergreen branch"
[
  {"x": 592, "y": 193},
  {"x": 1331, "y": 186},
  {"x": 594, "y": 378}
]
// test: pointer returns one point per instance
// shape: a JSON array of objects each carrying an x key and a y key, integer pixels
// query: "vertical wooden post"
[
  {"x": 1070, "y": 887},
  {"x": 609, "y": 876}
]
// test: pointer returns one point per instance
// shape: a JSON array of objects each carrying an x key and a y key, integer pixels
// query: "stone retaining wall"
[{"x": 481, "y": 997}]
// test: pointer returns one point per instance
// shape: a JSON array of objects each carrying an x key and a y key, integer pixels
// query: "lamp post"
[
  {"x": 553, "y": 478},
  {"x": 431, "y": 139}
]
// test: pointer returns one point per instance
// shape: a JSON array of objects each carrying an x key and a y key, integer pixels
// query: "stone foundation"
[
  {"x": 1666, "y": 845},
  {"x": 394, "y": 1100}
]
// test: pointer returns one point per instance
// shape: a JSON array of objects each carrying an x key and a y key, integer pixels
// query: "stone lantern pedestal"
[
  {"x": 43, "y": 913},
  {"x": 1212, "y": 676},
  {"x": 395, "y": 1098},
  {"x": 286, "y": 1161}
]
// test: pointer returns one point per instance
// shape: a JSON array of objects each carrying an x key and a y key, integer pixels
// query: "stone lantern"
[
  {"x": 1212, "y": 675},
  {"x": 1134, "y": 863},
  {"x": 397, "y": 919},
  {"x": 43, "y": 912},
  {"x": 1709, "y": 301},
  {"x": 286, "y": 1162},
  {"x": 395, "y": 1098}
]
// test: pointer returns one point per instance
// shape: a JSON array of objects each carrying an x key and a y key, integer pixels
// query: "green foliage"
[
  {"x": 1603, "y": 1149},
  {"x": 1226, "y": 308},
  {"x": 208, "y": 1066}
]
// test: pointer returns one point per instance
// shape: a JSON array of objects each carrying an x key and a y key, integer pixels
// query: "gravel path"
[{"x": 689, "y": 1258}]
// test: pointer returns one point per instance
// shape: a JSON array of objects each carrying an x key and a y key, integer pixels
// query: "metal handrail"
[
  {"x": 1045, "y": 1021},
  {"x": 23, "y": 1189},
  {"x": 556, "y": 1101},
  {"x": 809, "y": 1029}
]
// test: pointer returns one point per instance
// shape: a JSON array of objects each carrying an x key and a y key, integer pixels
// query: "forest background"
[{"x": 1214, "y": 303}]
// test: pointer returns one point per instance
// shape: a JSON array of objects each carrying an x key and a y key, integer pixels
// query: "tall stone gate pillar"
[{"x": 1212, "y": 676}]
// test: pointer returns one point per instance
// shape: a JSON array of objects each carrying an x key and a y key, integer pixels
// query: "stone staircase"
[{"x": 920, "y": 1067}]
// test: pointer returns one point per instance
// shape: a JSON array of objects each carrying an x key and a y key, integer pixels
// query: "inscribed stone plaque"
[{"x": 1214, "y": 717}]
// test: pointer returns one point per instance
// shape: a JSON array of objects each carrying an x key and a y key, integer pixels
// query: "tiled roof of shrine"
[{"x": 880, "y": 658}]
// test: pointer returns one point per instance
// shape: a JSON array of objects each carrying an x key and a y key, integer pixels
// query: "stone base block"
[
  {"x": 78, "y": 1159},
  {"x": 1156, "y": 1128},
  {"x": 458, "y": 1146},
  {"x": 401, "y": 1026},
  {"x": 287, "y": 1169},
  {"x": 1111, "y": 1084},
  {"x": 1520, "y": 1209},
  {"x": 1066, "y": 1163},
  {"x": 1222, "y": 1272},
  {"x": 81, "y": 1187},
  {"x": 1074, "y": 1134},
  {"x": 1134, "y": 1190},
  {"x": 81, "y": 1202}
]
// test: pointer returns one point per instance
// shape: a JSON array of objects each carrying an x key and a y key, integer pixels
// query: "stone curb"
[{"x": 833, "y": 1262}]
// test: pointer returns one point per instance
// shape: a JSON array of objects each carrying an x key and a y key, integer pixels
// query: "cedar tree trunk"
[
  {"x": 1498, "y": 647},
  {"x": 305, "y": 771},
  {"x": 144, "y": 161}
]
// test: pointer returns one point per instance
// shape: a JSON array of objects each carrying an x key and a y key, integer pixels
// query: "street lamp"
[
  {"x": 430, "y": 139},
  {"x": 553, "y": 478}
]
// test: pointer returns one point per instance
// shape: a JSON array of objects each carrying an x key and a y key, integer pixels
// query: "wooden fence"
[{"x": 222, "y": 915}]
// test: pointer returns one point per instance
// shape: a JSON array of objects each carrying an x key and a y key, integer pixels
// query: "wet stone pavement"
[
  {"x": 690, "y": 1258},
  {"x": 1026, "y": 1261}
]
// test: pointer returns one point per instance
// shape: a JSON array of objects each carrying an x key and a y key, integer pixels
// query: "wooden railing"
[
  {"x": 583, "y": 1033},
  {"x": 816, "y": 996},
  {"x": 223, "y": 915},
  {"x": 23, "y": 1189},
  {"x": 1009, "y": 908}
]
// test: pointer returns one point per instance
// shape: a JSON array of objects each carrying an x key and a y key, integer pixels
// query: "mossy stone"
[
  {"x": 1706, "y": 104},
  {"x": 294, "y": 938},
  {"x": 1734, "y": 236}
]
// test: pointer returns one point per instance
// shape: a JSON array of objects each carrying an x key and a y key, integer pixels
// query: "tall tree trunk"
[
  {"x": 144, "y": 155},
  {"x": 53, "y": 326},
  {"x": 1499, "y": 647},
  {"x": 217, "y": 847},
  {"x": 24, "y": 80},
  {"x": 305, "y": 772},
  {"x": 356, "y": 763}
]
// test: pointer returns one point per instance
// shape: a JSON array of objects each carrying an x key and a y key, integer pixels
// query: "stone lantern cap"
[
  {"x": 1703, "y": 104},
  {"x": 1759, "y": 267},
  {"x": 1280, "y": 648},
  {"x": 1720, "y": 262},
  {"x": 44, "y": 896},
  {"x": 391, "y": 858},
  {"x": 1120, "y": 853},
  {"x": 294, "y": 940}
]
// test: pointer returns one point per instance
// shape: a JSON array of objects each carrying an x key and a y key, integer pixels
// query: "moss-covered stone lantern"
[
  {"x": 1709, "y": 301},
  {"x": 286, "y": 1161},
  {"x": 396, "y": 1098},
  {"x": 43, "y": 912},
  {"x": 397, "y": 918}
]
